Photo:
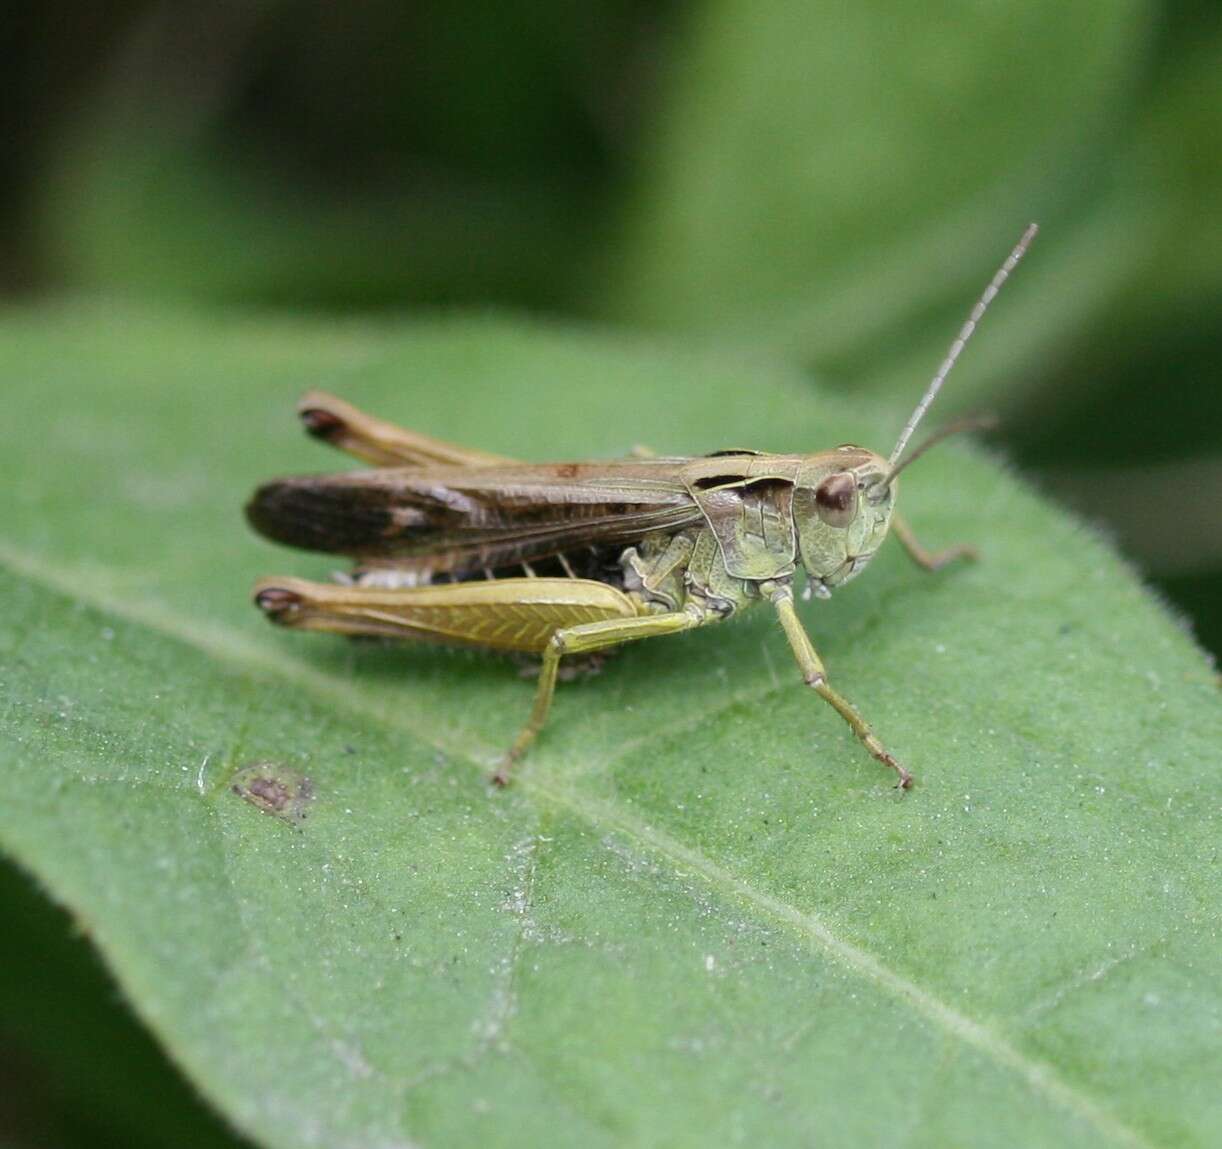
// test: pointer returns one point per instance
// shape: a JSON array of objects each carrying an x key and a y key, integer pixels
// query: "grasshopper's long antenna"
[
  {"x": 956, "y": 348},
  {"x": 982, "y": 422}
]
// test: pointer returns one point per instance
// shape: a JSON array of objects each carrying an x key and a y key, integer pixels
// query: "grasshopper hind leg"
[
  {"x": 549, "y": 616},
  {"x": 588, "y": 638},
  {"x": 510, "y": 615},
  {"x": 378, "y": 442}
]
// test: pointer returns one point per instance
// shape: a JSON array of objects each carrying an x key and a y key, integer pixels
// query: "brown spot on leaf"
[{"x": 275, "y": 789}]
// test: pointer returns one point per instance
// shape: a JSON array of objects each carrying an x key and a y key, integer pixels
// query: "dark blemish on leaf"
[{"x": 278, "y": 790}]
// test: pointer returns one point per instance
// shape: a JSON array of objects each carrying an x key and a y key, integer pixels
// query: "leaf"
[
  {"x": 839, "y": 185},
  {"x": 702, "y": 916}
]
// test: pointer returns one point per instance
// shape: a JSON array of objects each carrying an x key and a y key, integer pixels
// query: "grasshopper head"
[
  {"x": 843, "y": 499},
  {"x": 841, "y": 509}
]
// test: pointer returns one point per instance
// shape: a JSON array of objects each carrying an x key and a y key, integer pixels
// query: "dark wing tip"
[
  {"x": 272, "y": 512},
  {"x": 319, "y": 514}
]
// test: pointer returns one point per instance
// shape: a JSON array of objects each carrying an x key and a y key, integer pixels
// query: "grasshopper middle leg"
[{"x": 815, "y": 676}]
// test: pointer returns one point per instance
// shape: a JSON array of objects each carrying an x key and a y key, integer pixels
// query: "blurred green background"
[{"x": 825, "y": 184}]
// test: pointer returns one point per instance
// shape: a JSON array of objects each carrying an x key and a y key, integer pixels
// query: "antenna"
[
  {"x": 982, "y": 422},
  {"x": 956, "y": 348}
]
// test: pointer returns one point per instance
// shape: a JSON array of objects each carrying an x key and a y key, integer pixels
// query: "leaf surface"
[{"x": 702, "y": 916}]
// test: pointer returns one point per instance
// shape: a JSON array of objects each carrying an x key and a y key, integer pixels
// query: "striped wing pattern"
[{"x": 461, "y": 519}]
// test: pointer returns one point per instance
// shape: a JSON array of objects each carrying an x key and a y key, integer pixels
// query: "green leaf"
[
  {"x": 702, "y": 916},
  {"x": 840, "y": 185}
]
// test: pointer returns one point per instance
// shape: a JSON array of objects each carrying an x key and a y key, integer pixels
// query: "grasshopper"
[{"x": 458, "y": 546}]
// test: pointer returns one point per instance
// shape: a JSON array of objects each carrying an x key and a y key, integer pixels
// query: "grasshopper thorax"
[{"x": 841, "y": 512}]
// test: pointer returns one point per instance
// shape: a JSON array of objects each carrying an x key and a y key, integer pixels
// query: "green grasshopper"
[{"x": 457, "y": 546}]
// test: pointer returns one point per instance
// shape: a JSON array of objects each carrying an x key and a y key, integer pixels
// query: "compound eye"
[{"x": 836, "y": 499}]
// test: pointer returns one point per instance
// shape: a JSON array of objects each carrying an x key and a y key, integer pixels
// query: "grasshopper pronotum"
[{"x": 454, "y": 545}]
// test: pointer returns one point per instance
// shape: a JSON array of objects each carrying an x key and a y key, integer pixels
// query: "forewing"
[{"x": 457, "y": 519}]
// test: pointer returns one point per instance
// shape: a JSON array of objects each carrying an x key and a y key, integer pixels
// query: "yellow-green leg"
[
  {"x": 928, "y": 560},
  {"x": 815, "y": 676},
  {"x": 583, "y": 639}
]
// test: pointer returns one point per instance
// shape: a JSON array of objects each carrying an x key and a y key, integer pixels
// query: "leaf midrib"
[{"x": 218, "y": 642}]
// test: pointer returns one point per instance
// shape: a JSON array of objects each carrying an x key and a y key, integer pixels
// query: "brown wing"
[{"x": 459, "y": 519}]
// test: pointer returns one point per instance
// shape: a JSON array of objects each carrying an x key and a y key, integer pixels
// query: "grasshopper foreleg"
[
  {"x": 815, "y": 676},
  {"x": 929, "y": 560}
]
